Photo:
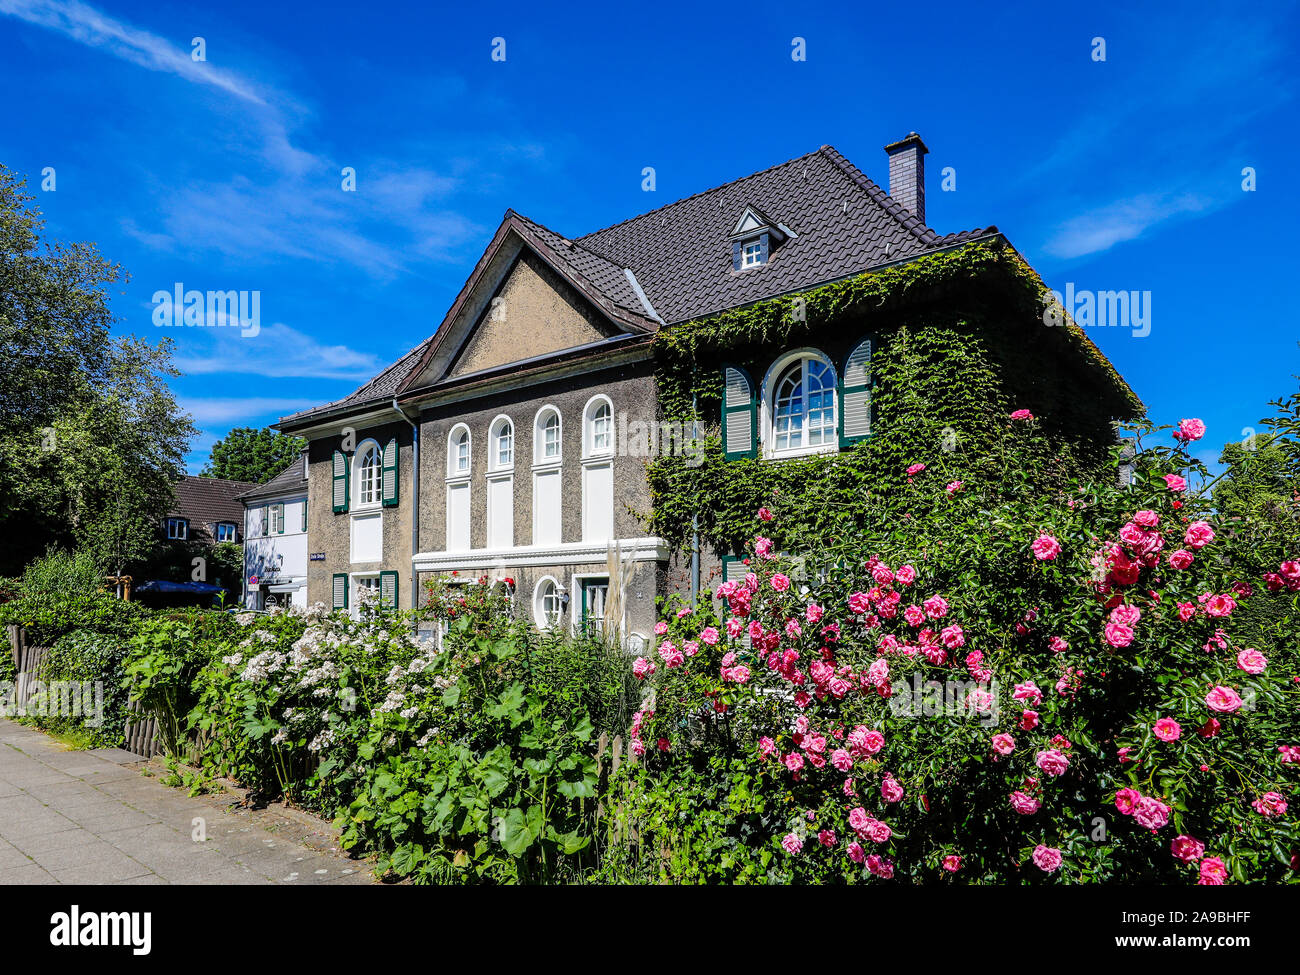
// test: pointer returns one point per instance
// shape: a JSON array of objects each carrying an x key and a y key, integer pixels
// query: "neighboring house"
[
  {"x": 275, "y": 539},
  {"x": 206, "y": 511},
  {"x": 505, "y": 446}
]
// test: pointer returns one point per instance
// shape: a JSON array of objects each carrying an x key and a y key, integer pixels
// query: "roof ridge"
[
  {"x": 711, "y": 189},
  {"x": 908, "y": 220}
]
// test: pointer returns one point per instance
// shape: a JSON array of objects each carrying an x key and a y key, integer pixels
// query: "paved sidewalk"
[{"x": 69, "y": 817}]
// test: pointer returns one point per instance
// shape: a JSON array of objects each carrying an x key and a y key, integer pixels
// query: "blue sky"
[{"x": 226, "y": 174}]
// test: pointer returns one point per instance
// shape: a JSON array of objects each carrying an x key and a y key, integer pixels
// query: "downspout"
[
  {"x": 695, "y": 516},
  {"x": 415, "y": 502}
]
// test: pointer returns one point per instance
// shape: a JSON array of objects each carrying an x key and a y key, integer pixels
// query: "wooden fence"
[{"x": 141, "y": 731}]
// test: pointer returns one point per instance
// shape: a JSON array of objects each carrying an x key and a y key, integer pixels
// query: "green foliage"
[
  {"x": 91, "y": 439},
  {"x": 87, "y": 657},
  {"x": 250, "y": 454}
]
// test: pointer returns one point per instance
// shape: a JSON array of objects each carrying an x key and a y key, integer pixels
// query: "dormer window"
[{"x": 752, "y": 240}]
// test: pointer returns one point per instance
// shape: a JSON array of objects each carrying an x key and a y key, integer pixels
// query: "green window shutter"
[
  {"x": 855, "y": 395},
  {"x": 340, "y": 482},
  {"x": 388, "y": 590},
  {"x": 739, "y": 414},
  {"x": 304, "y": 514},
  {"x": 733, "y": 569},
  {"x": 279, "y": 518},
  {"x": 390, "y": 474},
  {"x": 340, "y": 590}
]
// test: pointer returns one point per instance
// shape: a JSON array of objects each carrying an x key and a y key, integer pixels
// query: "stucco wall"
[{"x": 331, "y": 533}]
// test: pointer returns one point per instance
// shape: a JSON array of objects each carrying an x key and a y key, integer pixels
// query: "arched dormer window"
[
  {"x": 547, "y": 445},
  {"x": 367, "y": 471},
  {"x": 458, "y": 451},
  {"x": 598, "y": 428},
  {"x": 501, "y": 445},
  {"x": 800, "y": 414}
]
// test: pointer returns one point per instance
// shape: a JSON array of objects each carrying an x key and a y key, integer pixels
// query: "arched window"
[
  {"x": 801, "y": 405},
  {"x": 547, "y": 603},
  {"x": 458, "y": 452},
  {"x": 598, "y": 435},
  {"x": 369, "y": 467},
  {"x": 546, "y": 436},
  {"x": 501, "y": 445}
]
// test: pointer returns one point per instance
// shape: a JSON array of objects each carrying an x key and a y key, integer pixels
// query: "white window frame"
[
  {"x": 768, "y": 419},
  {"x": 539, "y": 611},
  {"x": 184, "y": 534},
  {"x": 589, "y": 449},
  {"x": 751, "y": 248},
  {"x": 275, "y": 518},
  {"x": 356, "y": 582},
  {"x": 454, "y": 471},
  {"x": 501, "y": 425},
  {"x": 575, "y": 600},
  {"x": 377, "y": 483},
  {"x": 540, "y": 460},
  {"x": 234, "y": 531}
]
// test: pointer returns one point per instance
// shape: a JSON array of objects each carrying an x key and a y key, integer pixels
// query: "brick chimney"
[{"x": 907, "y": 174}]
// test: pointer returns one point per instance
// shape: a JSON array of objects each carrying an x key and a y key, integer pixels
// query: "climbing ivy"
[{"x": 959, "y": 342}]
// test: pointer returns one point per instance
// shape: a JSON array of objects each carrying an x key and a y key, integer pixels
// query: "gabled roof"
[
  {"x": 292, "y": 478},
  {"x": 208, "y": 500},
  {"x": 674, "y": 263}
]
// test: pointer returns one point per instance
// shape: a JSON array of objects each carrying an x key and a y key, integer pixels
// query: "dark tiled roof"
[
  {"x": 842, "y": 223},
  {"x": 204, "y": 501},
  {"x": 291, "y": 478}
]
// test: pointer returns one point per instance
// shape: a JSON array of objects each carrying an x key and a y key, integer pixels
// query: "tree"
[
  {"x": 91, "y": 437},
  {"x": 247, "y": 454}
]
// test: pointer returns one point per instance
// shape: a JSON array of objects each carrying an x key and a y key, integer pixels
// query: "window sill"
[{"x": 833, "y": 448}]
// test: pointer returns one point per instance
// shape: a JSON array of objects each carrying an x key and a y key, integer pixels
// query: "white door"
[
  {"x": 598, "y": 502},
  {"x": 546, "y": 508},
  {"x": 501, "y": 512},
  {"x": 458, "y": 517}
]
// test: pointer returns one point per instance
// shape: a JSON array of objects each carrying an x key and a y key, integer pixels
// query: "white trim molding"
[{"x": 647, "y": 549}]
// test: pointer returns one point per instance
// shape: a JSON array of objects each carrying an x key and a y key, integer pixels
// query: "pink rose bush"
[{"x": 931, "y": 701}]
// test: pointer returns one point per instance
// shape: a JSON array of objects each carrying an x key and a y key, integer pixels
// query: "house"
[
  {"x": 275, "y": 539},
  {"x": 513, "y": 443},
  {"x": 206, "y": 511}
]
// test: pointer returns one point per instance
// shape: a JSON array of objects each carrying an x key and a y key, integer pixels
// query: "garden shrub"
[{"x": 990, "y": 683}]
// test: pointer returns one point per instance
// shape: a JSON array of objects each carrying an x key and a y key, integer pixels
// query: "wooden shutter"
[
  {"x": 304, "y": 514},
  {"x": 739, "y": 414},
  {"x": 390, "y": 474},
  {"x": 855, "y": 395},
  {"x": 733, "y": 569},
  {"x": 279, "y": 518},
  {"x": 340, "y": 590},
  {"x": 265, "y": 513},
  {"x": 388, "y": 590},
  {"x": 340, "y": 482}
]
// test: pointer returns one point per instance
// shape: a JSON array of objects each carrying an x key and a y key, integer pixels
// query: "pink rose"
[
  {"x": 1181, "y": 559},
  {"x": 882, "y": 574},
  {"x": 936, "y": 607},
  {"x": 1187, "y": 849},
  {"x": 780, "y": 582},
  {"x": 1058, "y": 645},
  {"x": 766, "y": 747},
  {"x": 1147, "y": 518},
  {"x": 1270, "y": 804},
  {"x": 1126, "y": 800},
  {"x": 953, "y": 487},
  {"x": 890, "y": 790},
  {"x": 661, "y": 628},
  {"x": 709, "y": 635},
  {"x": 1189, "y": 430},
  {"x": 915, "y": 469},
  {"x": 1046, "y": 548},
  {"x": 1047, "y": 858},
  {"x": 826, "y": 837},
  {"x": 1151, "y": 813},
  {"x": 1199, "y": 534},
  {"x": 764, "y": 514},
  {"x": 1223, "y": 699},
  {"x": 1028, "y": 720},
  {"x": 1128, "y": 615},
  {"x": 1175, "y": 483},
  {"x": 856, "y": 853},
  {"x": 762, "y": 547},
  {"x": 1118, "y": 635},
  {"x": 1290, "y": 754},
  {"x": 1219, "y": 605},
  {"x": 1252, "y": 661},
  {"x": 642, "y": 668},
  {"x": 1022, "y": 415},
  {"x": 914, "y": 615},
  {"x": 953, "y": 637},
  {"x": 952, "y": 863},
  {"x": 793, "y": 761},
  {"x": 1004, "y": 744},
  {"x": 1024, "y": 804},
  {"x": 1028, "y": 692},
  {"x": 1167, "y": 729},
  {"x": 841, "y": 759},
  {"x": 792, "y": 843},
  {"x": 906, "y": 575},
  {"x": 1214, "y": 872},
  {"x": 1051, "y": 761},
  {"x": 859, "y": 602}
]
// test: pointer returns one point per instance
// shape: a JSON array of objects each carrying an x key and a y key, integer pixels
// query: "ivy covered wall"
[{"x": 958, "y": 342}]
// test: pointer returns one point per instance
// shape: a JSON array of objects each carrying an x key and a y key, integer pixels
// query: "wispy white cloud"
[
  {"x": 276, "y": 352},
  {"x": 240, "y": 411},
  {"x": 1102, "y": 228},
  {"x": 88, "y": 26}
]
